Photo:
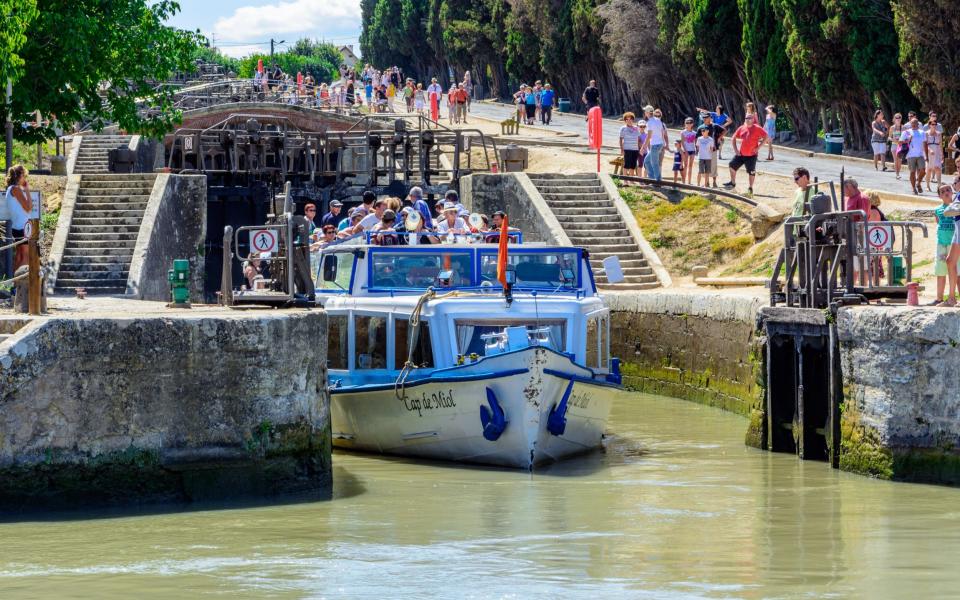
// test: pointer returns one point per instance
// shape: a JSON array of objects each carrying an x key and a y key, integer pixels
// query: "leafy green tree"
[
  {"x": 929, "y": 52},
  {"x": 100, "y": 60},
  {"x": 17, "y": 17}
]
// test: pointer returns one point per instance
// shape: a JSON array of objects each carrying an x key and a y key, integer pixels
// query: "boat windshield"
[
  {"x": 418, "y": 269},
  {"x": 494, "y": 336},
  {"x": 535, "y": 269}
]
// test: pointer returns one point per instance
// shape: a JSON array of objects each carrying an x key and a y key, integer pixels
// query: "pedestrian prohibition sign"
[
  {"x": 880, "y": 237},
  {"x": 263, "y": 240}
]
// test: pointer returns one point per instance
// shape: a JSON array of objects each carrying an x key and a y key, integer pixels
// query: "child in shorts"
[
  {"x": 679, "y": 157},
  {"x": 705, "y": 149}
]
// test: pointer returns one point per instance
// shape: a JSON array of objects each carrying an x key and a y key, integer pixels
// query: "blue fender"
[
  {"x": 494, "y": 420},
  {"x": 557, "y": 419}
]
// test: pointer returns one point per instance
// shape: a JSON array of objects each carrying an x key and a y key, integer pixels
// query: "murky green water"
[{"x": 675, "y": 508}]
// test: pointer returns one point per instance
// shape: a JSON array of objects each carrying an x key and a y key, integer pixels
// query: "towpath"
[{"x": 822, "y": 166}]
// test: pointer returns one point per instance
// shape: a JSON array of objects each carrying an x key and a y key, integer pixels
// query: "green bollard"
[{"x": 179, "y": 279}]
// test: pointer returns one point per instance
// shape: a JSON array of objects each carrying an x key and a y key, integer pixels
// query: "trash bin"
[
  {"x": 834, "y": 143},
  {"x": 563, "y": 105}
]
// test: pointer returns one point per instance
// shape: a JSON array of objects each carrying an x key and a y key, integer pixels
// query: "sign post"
[
  {"x": 32, "y": 231},
  {"x": 595, "y": 131}
]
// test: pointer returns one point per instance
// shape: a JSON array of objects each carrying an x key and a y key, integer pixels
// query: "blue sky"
[{"x": 240, "y": 27}]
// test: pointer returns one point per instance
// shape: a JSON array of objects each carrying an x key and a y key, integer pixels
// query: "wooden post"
[{"x": 33, "y": 276}]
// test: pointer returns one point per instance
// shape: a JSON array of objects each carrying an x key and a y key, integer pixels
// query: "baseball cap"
[
  {"x": 336, "y": 203},
  {"x": 648, "y": 108}
]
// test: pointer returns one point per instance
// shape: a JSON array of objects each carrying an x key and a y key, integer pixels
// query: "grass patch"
[{"x": 677, "y": 229}]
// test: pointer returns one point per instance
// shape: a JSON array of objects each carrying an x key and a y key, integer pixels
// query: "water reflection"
[{"x": 675, "y": 507}]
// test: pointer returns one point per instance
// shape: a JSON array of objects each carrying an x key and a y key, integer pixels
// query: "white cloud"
[
  {"x": 241, "y": 51},
  {"x": 314, "y": 18}
]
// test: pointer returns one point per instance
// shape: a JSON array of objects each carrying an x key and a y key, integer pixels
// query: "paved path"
[{"x": 820, "y": 166}]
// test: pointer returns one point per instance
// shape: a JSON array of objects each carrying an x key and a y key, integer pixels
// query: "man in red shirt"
[
  {"x": 856, "y": 200},
  {"x": 746, "y": 140}
]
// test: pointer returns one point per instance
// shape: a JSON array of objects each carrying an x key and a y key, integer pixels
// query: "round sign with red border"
[
  {"x": 879, "y": 238},
  {"x": 263, "y": 240}
]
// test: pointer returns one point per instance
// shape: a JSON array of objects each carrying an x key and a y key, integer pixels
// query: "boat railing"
[{"x": 413, "y": 238}]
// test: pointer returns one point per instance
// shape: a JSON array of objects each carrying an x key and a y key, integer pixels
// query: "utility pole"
[{"x": 272, "y": 42}]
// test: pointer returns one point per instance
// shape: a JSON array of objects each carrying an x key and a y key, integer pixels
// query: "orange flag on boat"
[{"x": 502, "y": 253}]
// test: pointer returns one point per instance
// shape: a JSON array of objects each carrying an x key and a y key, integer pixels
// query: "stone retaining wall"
[
  {"x": 699, "y": 347},
  {"x": 901, "y": 378},
  {"x": 99, "y": 411}
]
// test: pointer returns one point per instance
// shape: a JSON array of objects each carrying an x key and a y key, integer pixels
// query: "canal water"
[{"x": 676, "y": 507}]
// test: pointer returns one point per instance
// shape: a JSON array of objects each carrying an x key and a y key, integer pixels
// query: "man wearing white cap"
[{"x": 332, "y": 217}]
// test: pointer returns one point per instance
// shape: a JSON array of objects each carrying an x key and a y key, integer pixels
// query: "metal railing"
[{"x": 829, "y": 257}]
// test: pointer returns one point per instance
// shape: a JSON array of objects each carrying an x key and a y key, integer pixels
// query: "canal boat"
[{"x": 431, "y": 355}]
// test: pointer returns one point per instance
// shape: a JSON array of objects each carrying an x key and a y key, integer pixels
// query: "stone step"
[
  {"x": 93, "y": 245},
  {"x": 564, "y": 176},
  {"x": 579, "y": 203},
  {"x": 94, "y": 286},
  {"x": 625, "y": 263},
  {"x": 79, "y": 221},
  {"x": 634, "y": 254},
  {"x": 601, "y": 239},
  {"x": 124, "y": 191},
  {"x": 609, "y": 212},
  {"x": 614, "y": 248},
  {"x": 91, "y": 160},
  {"x": 136, "y": 184},
  {"x": 84, "y": 211},
  {"x": 575, "y": 200},
  {"x": 635, "y": 271},
  {"x": 108, "y": 254},
  {"x": 571, "y": 189},
  {"x": 121, "y": 177},
  {"x": 625, "y": 286},
  {"x": 588, "y": 217},
  {"x": 118, "y": 275},
  {"x": 575, "y": 227},
  {"x": 88, "y": 171},
  {"x": 96, "y": 259},
  {"x": 121, "y": 206},
  {"x": 122, "y": 232}
]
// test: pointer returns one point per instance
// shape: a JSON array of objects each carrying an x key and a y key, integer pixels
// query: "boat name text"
[{"x": 434, "y": 401}]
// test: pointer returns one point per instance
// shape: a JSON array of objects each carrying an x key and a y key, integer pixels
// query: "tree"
[
  {"x": 930, "y": 52},
  {"x": 17, "y": 17},
  {"x": 100, "y": 60}
]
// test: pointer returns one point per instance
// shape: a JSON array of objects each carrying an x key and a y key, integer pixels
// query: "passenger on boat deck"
[
  {"x": 386, "y": 223},
  {"x": 451, "y": 222},
  {"x": 498, "y": 217},
  {"x": 453, "y": 196},
  {"x": 355, "y": 216},
  {"x": 372, "y": 218},
  {"x": 328, "y": 235},
  {"x": 421, "y": 206}
]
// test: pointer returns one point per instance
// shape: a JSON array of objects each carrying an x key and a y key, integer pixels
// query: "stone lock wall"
[
  {"x": 901, "y": 384},
  {"x": 99, "y": 411},
  {"x": 700, "y": 347}
]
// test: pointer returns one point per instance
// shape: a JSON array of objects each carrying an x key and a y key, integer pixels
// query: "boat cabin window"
[
  {"x": 370, "y": 335},
  {"x": 337, "y": 342},
  {"x": 476, "y": 336},
  {"x": 598, "y": 342},
  {"x": 422, "y": 350},
  {"x": 399, "y": 269},
  {"x": 342, "y": 270},
  {"x": 535, "y": 269}
]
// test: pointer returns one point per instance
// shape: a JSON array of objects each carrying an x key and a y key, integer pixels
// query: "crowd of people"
[
  {"x": 370, "y": 89},
  {"x": 643, "y": 144},
  {"x": 386, "y": 219},
  {"x": 534, "y": 103},
  {"x": 918, "y": 145}
]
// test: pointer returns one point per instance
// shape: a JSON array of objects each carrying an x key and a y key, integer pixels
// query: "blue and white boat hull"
[{"x": 517, "y": 409}]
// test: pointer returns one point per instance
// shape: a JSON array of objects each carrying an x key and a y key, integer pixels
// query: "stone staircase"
[
  {"x": 103, "y": 232},
  {"x": 92, "y": 157},
  {"x": 590, "y": 219}
]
